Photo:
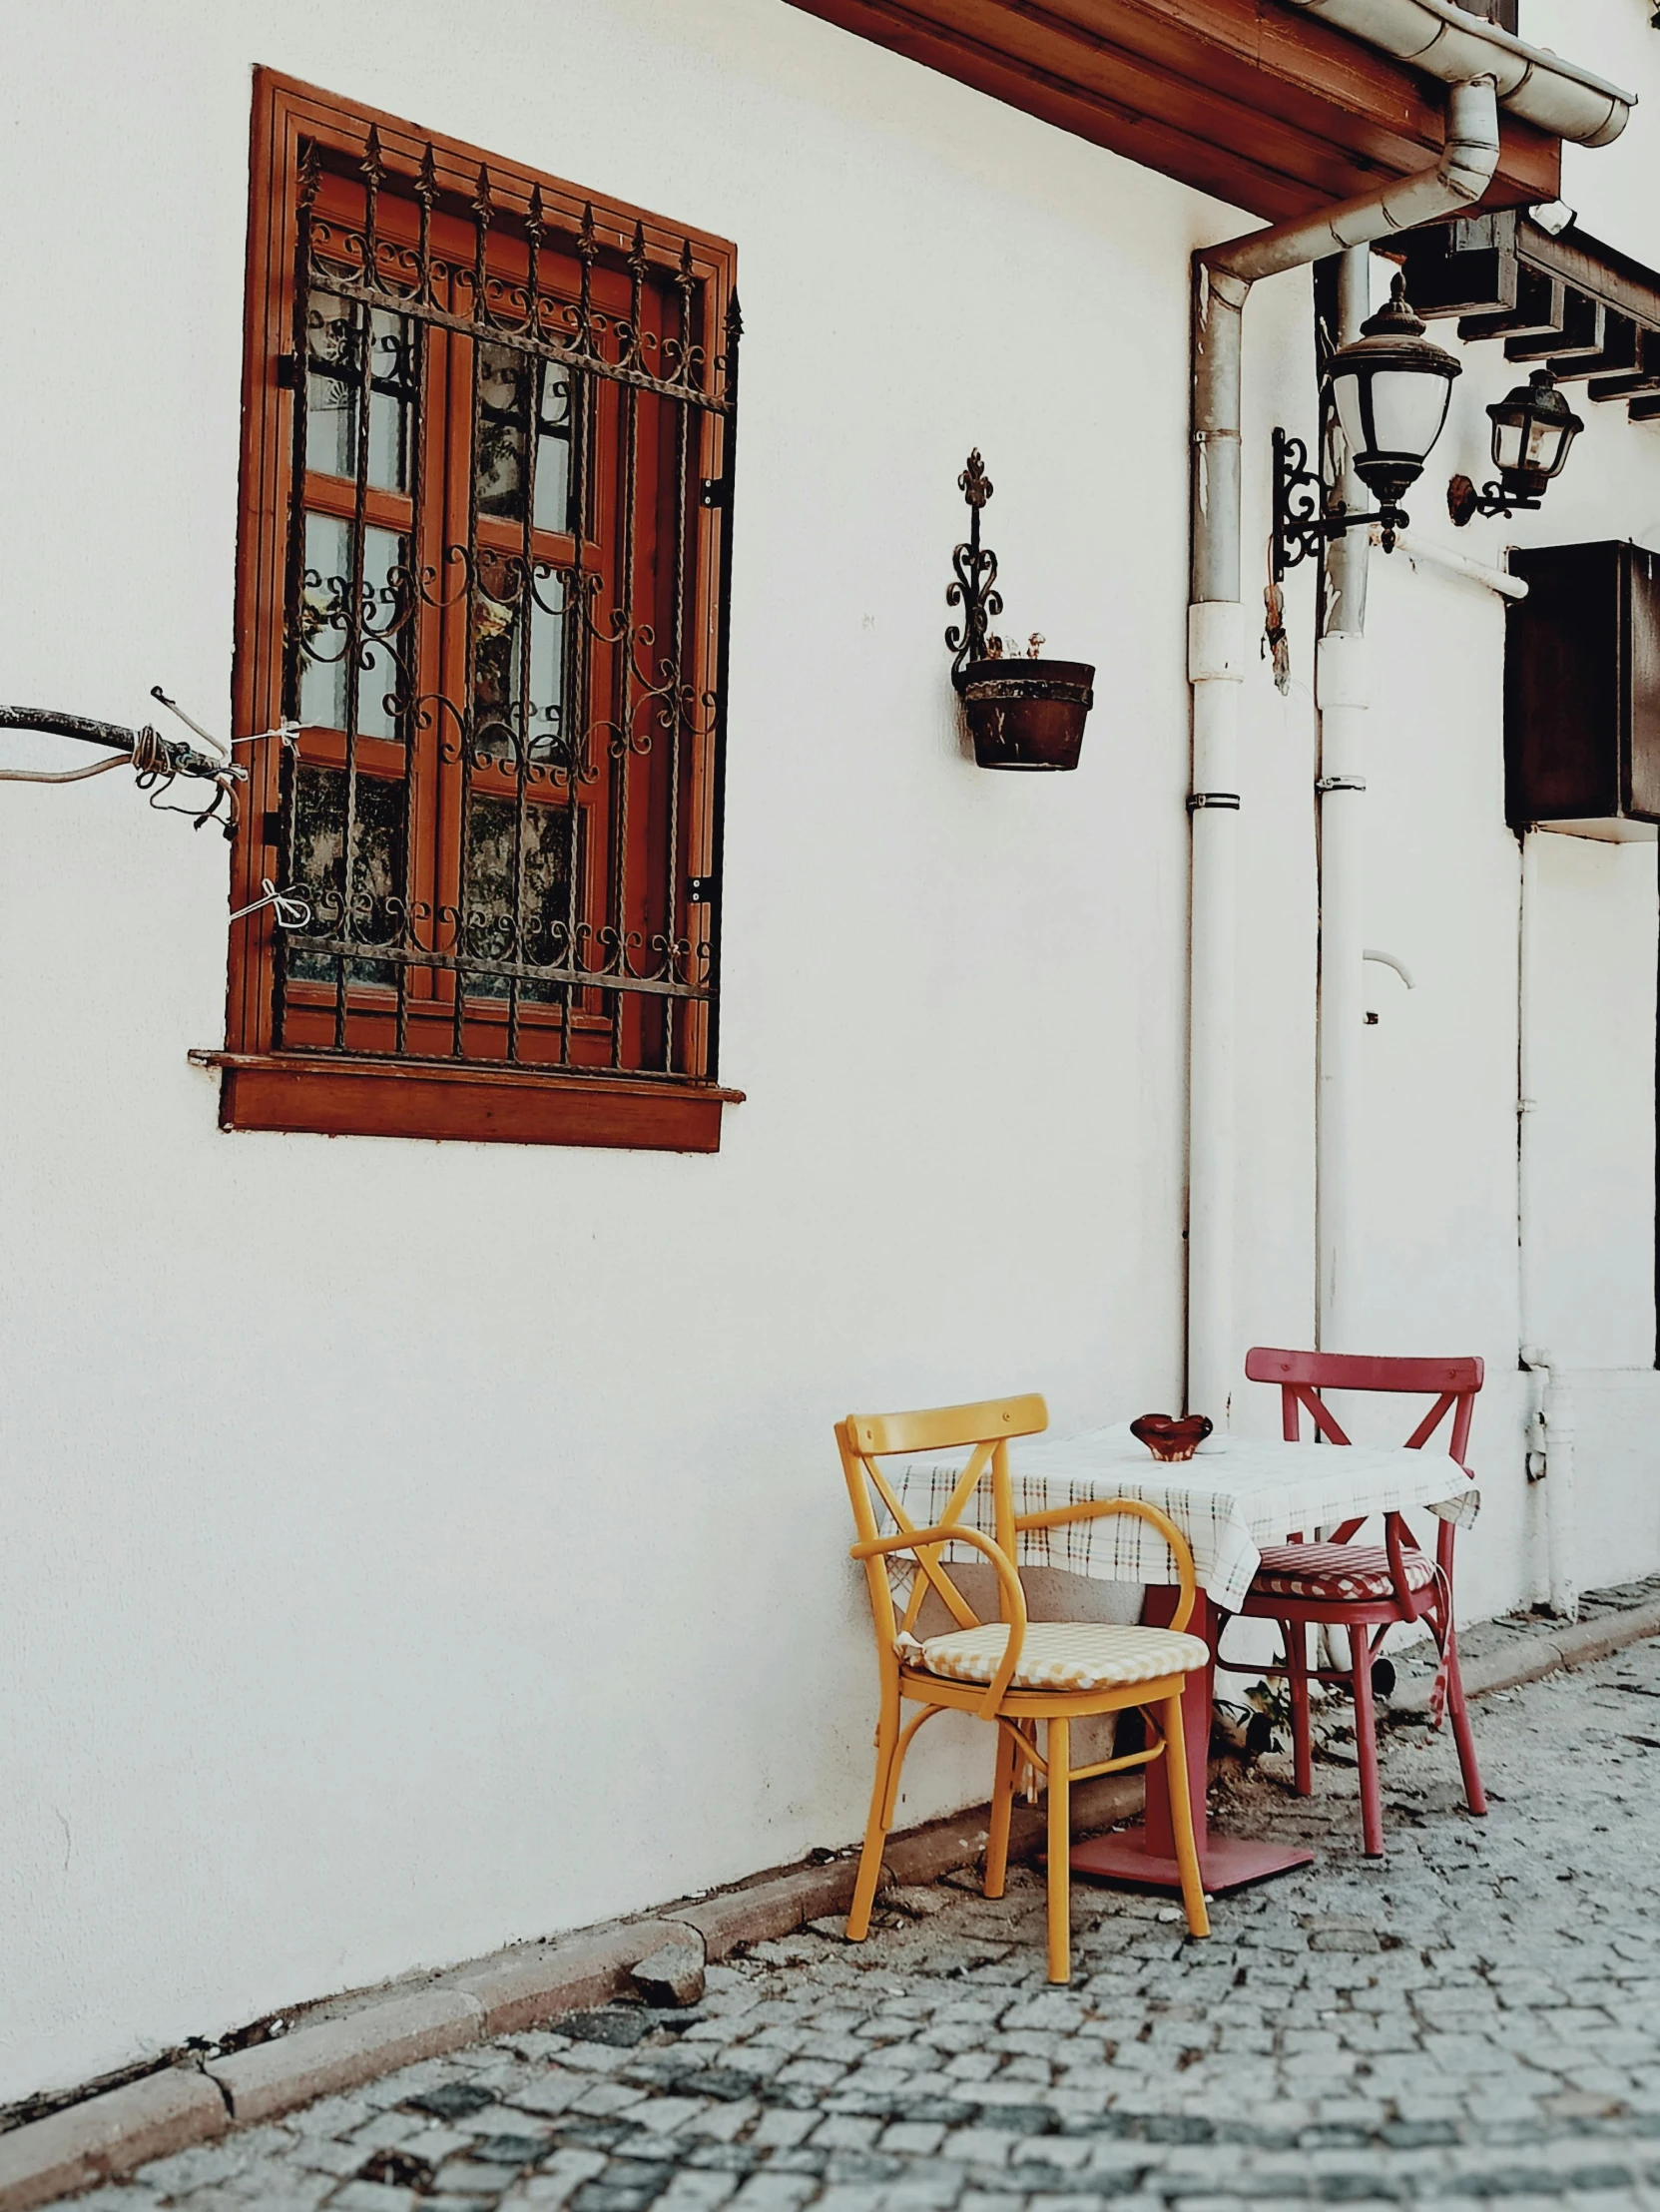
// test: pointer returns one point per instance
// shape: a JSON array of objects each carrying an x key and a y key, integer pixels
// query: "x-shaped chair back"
[
  {"x": 1302, "y": 1375},
  {"x": 986, "y": 1430}
]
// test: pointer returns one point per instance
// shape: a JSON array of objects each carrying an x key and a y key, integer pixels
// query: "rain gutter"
[{"x": 1449, "y": 43}]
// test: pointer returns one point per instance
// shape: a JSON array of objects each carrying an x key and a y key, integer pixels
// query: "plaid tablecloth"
[{"x": 1231, "y": 1499}]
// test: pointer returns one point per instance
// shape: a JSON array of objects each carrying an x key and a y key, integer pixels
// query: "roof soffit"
[{"x": 1248, "y": 100}]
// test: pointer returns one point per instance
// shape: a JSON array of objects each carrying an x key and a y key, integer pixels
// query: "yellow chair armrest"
[
  {"x": 1008, "y": 1580},
  {"x": 1096, "y": 1508}
]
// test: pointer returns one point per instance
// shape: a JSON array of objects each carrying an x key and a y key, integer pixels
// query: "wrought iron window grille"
[{"x": 510, "y": 455}]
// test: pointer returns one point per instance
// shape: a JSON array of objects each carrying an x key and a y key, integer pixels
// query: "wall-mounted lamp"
[
  {"x": 1533, "y": 429},
  {"x": 1022, "y": 712},
  {"x": 1390, "y": 388}
]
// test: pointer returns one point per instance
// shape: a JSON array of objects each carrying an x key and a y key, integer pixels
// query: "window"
[{"x": 486, "y": 494}]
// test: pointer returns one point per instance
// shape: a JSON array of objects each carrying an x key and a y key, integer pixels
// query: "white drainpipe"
[
  {"x": 1420, "y": 553},
  {"x": 1551, "y": 1425},
  {"x": 1223, "y": 279},
  {"x": 1343, "y": 690}
]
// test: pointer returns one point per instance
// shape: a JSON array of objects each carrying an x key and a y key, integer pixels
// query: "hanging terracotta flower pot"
[{"x": 1027, "y": 714}]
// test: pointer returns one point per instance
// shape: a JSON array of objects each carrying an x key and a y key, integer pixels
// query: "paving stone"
[{"x": 673, "y": 1972}]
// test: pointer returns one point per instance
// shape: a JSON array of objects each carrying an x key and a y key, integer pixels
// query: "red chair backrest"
[{"x": 1302, "y": 1375}]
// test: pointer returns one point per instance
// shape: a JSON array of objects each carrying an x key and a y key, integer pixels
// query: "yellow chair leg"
[
  {"x": 1004, "y": 1787},
  {"x": 1181, "y": 1817},
  {"x": 875, "y": 1828},
  {"x": 1059, "y": 1748}
]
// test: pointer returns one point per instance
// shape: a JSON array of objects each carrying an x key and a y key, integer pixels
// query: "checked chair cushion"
[
  {"x": 1059, "y": 1655},
  {"x": 1335, "y": 1572}
]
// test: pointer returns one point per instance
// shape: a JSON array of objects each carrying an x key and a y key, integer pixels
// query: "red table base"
[
  {"x": 1146, "y": 1856},
  {"x": 1226, "y": 1862}
]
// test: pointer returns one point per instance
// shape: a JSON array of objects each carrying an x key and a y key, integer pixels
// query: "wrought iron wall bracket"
[
  {"x": 1464, "y": 502},
  {"x": 1301, "y": 526},
  {"x": 977, "y": 575}
]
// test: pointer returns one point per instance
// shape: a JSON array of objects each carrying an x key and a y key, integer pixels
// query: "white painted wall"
[
  {"x": 408, "y": 1549},
  {"x": 1592, "y": 1089},
  {"x": 405, "y": 1548},
  {"x": 1616, "y": 1417}
]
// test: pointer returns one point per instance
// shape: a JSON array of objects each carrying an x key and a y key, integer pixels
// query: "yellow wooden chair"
[{"x": 1013, "y": 1671}]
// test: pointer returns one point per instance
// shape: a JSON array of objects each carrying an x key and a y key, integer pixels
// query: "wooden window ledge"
[{"x": 339, "y": 1097}]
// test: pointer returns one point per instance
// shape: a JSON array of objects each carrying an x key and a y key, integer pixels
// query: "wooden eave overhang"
[
  {"x": 1584, "y": 311},
  {"x": 1245, "y": 99}
]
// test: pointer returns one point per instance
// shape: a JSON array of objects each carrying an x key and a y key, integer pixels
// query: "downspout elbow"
[
  {"x": 1461, "y": 175},
  {"x": 1469, "y": 155}
]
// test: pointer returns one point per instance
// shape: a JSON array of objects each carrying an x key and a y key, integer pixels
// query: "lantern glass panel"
[
  {"x": 1546, "y": 447},
  {"x": 1346, "y": 391},
  {"x": 1408, "y": 410},
  {"x": 1510, "y": 443}
]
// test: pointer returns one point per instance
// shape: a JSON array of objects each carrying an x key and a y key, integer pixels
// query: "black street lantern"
[
  {"x": 1392, "y": 388},
  {"x": 1533, "y": 429}
]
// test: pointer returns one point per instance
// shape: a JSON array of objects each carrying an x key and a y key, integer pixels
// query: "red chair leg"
[
  {"x": 1297, "y": 1678},
  {"x": 1462, "y": 1735},
  {"x": 1365, "y": 1741}
]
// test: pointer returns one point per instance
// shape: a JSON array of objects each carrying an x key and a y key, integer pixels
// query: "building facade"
[{"x": 418, "y": 1542}]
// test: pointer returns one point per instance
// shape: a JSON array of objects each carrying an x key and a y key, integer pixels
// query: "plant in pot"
[{"x": 1023, "y": 712}]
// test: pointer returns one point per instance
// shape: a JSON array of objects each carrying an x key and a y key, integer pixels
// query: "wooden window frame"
[{"x": 270, "y": 1084}]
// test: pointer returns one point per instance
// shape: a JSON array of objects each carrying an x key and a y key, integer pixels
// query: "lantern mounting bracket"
[
  {"x": 1464, "y": 502},
  {"x": 1301, "y": 526},
  {"x": 1533, "y": 431}
]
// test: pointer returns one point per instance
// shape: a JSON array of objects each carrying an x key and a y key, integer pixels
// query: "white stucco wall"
[{"x": 406, "y": 1548}]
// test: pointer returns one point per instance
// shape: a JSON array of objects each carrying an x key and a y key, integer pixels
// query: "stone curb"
[
  {"x": 779, "y": 1906},
  {"x": 1530, "y": 1658},
  {"x": 107, "y": 2135},
  {"x": 270, "y": 2079},
  {"x": 533, "y": 1984}
]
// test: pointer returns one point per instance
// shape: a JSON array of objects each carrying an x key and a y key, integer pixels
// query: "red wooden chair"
[{"x": 1365, "y": 1588}]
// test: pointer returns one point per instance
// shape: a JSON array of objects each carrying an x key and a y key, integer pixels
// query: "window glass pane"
[
  {"x": 506, "y": 380},
  {"x": 513, "y": 692},
  {"x": 318, "y": 870},
  {"x": 544, "y": 885},
  {"x": 336, "y": 336},
  {"x": 553, "y": 452},
  {"x": 329, "y": 648}
]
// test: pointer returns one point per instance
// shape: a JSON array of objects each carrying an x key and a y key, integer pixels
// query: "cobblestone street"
[{"x": 1475, "y": 2017}]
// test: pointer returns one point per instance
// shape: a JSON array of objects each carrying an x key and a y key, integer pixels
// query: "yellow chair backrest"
[{"x": 985, "y": 1429}]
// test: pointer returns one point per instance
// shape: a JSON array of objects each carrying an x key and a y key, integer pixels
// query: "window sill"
[{"x": 323, "y": 1096}]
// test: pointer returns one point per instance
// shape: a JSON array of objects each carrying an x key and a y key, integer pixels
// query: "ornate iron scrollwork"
[
  {"x": 1302, "y": 522},
  {"x": 1301, "y": 525},
  {"x": 976, "y": 574}
]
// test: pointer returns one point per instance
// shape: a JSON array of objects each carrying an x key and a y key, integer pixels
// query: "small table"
[{"x": 1229, "y": 1501}]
